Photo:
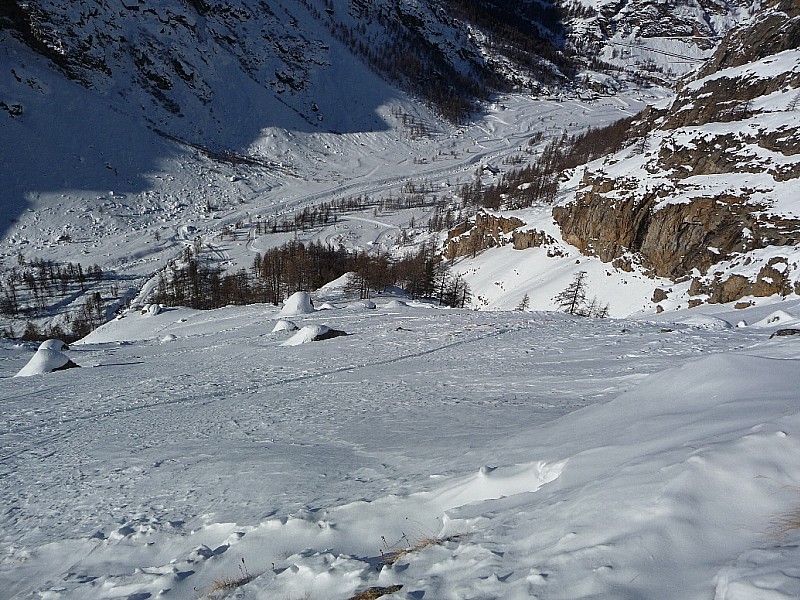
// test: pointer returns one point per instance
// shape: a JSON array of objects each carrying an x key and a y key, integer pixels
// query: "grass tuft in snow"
[
  {"x": 391, "y": 554},
  {"x": 784, "y": 524},
  {"x": 226, "y": 584},
  {"x": 376, "y": 592}
]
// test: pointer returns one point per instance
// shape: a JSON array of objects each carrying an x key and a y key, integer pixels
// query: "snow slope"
[{"x": 544, "y": 457}]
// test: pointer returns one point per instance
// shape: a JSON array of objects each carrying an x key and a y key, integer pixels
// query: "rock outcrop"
[
  {"x": 675, "y": 238},
  {"x": 489, "y": 230},
  {"x": 712, "y": 188}
]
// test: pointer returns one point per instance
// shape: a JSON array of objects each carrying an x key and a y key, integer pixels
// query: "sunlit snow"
[{"x": 542, "y": 456}]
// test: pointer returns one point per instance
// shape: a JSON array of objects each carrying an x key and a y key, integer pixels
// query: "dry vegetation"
[
  {"x": 376, "y": 592},
  {"x": 784, "y": 524},
  {"x": 226, "y": 584},
  {"x": 390, "y": 555}
]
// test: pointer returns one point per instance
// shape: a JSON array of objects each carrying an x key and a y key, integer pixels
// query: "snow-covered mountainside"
[
  {"x": 710, "y": 187},
  {"x": 433, "y": 453},
  {"x": 655, "y": 39},
  {"x": 702, "y": 197},
  {"x": 194, "y": 69}
]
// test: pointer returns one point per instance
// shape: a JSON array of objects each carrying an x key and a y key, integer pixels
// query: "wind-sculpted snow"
[{"x": 459, "y": 454}]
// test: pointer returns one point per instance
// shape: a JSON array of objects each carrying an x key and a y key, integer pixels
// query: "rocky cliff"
[
  {"x": 711, "y": 191},
  {"x": 489, "y": 230}
]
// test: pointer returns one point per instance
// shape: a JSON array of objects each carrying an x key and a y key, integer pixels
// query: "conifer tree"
[{"x": 573, "y": 298}]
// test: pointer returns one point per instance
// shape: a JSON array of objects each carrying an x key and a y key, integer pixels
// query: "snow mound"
[
  {"x": 168, "y": 338},
  {"x": 707, "y": 322},
  {"x": 779, "y": 317},
  {"x": 313, "y": 333},
  {"x": 496, "y": 482},
  {"x": 298, "y": 303},
  {"x": 53, "y": 345},
  {"x": 362, "y": 304},
  {"x": 46, "y": 361},
  {"x": 151, "y": 310},
  {"x": 396, "y": 304},
  {"x": 328, "y": 306},
  {"x": 284, "y": 325}
]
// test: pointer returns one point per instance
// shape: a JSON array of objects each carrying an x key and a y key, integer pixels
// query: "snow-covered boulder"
[
  {"x": 46, "y": 360},
  {"x": 151, "y": 310},
  {"x": 298, "y": 303},
  {"x": 53, "y": 345},
  {"x": 313, "y": 333},
  {"x": 284, "y": 325}
]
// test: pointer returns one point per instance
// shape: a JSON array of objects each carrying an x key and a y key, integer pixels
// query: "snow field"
[{"x": 544, "y": 456}]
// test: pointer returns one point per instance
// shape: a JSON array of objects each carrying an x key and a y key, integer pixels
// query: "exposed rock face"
[
  {"x": 487, "y": 231},
  {"x": 491, "y": 230},
  {"x": 675, "y": 238},
  {"x": 531, "y": 238},
  {"x": 772, "y": 279},
  {"x": 777, "y": 30},
  {"x": 716, "y": 177}
]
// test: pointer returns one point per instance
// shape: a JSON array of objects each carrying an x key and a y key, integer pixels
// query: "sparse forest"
[
  {"x": 327, "y": 213},
  {"x": 539, "y": 181},
  {"x": 38, "y": 288},
  {"x": 196, "y": 282},
  {"x": 528, "y": 34}
]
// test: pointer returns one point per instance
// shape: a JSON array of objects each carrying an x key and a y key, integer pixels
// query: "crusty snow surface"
[{"x": 550, "y": 456}]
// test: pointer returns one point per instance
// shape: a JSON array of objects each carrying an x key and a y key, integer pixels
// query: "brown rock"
[
  {"x": 488, "y": 231},
  {"x": 659, "y": 295},
  {"x": 729, "y": 290},
  {"x": 532, "y": 238}
]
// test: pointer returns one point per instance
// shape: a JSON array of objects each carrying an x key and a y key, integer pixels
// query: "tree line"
[
  {"x": 327, "y": 213},
  {"x": 199, "y": 283},
  {"x": 36, "y": 289}
]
